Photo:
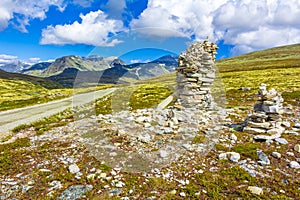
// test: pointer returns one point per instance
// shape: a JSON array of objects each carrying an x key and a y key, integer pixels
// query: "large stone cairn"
[
  {"x": 266, "y": 121},
  {"x": 195, "y": 75}
]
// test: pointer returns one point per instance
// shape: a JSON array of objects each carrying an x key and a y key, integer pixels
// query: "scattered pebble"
[
  {"x": 74, "y": 169},
  {"x": 276, "y": 155},
  {"x": 255, "y": 190}
]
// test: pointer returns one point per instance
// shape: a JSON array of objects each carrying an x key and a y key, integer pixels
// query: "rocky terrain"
[{"x": 193, "y": 149}]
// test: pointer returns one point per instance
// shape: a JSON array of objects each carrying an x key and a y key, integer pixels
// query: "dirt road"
[{"x": 12, "y": 118}]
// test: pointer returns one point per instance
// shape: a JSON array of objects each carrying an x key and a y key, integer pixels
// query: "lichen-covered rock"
[{"x": 75, "y": 192}]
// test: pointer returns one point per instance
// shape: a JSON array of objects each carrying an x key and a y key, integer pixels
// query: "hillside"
[
  {"x": 278, "y": 67},
  {"x": 273, "y": 58},
  {"x": 19, "y": 90},
  {"x": 32, "y": 79}
]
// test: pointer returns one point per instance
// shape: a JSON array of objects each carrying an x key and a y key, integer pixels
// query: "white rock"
[
  {"x": 276, "y": 131},
  {"x": 276, "y": 154},
  {"x": 223, "y": 156},
  {"x": 290, "y": 153},
  {"x": 233, "y": 137},
  {"x": 297, "y": 125},
  {"x": 119, "y": 184},
  {"x": 102, "y": 175},
  {"x": 255, "y": 190},
  {"x": 297, "y": 148},
  {"x": 254, "y": 130},
  {"x": 182, "y": 194},
  {"x": 233, "y": 156},
  {"x": 73, "y": 169},
  {"x": 281, "y": 140},
  {"x": 295, "y": 165},
  {"x": 163, "y": 153},
  {"x": 286, "y": 124},
  {"x": 90, "y": 176}
]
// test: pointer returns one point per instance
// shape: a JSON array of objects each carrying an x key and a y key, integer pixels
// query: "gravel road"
[{"x": 12, "y": 118}]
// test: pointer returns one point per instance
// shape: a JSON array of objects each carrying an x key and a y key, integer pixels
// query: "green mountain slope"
[
  {"x": 273, "y": 58},
  {"x": 278, "y": 67}
]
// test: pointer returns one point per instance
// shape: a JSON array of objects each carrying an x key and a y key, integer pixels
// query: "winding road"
[{"x": 13, "y": 118}]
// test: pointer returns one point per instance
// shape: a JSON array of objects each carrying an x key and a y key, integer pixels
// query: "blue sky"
[{"x": 34, "y": 31}]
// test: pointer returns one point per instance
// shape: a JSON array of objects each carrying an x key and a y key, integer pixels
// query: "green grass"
[{"x": 8, "y": 154}]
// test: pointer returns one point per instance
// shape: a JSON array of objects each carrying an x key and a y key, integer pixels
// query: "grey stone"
[
  {"x": 262, "y": 158},
  {"x": 281, "y": 140},
  {"x": 233, "y": 156},
  {"x": 75, "y": 192},
  {"x": 295, "y": 165}
]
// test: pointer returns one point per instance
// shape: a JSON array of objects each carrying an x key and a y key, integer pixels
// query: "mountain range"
[{"x": 94, "y": 69}]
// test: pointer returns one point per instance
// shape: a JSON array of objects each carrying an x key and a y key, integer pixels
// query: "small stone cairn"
[
  {"x": 266, "y": 121},
  {"x": 196, "y": 74}
]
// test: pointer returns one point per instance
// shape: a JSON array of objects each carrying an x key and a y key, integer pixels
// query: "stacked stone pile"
[
  {"x": 195, "y": 75},
  {"x": 267, "y": 116}
]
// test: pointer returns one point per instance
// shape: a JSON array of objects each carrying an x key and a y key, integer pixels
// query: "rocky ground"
[{"x": 150, "y": 154}]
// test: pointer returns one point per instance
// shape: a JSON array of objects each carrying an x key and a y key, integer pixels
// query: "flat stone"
[
  {"x": 297, "y": 148},
  {"x": 286, "y": 124},
  {"x": 275, "y": 131},
  {"x": 276, "y": 155},
  {"x": 294, "y": 165},
  {"x": 254, "y": 130},
  {"x": 266, "y": 137},
  {"x": 297, "y": 125},
  {"x": 255, "y": 190},
  {"x": 263, "y": 125},
  {"x": 281, "y": 140}
]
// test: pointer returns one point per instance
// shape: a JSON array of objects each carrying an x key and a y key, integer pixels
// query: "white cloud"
[
  {"x": 253, "y": 25},
  {"x": 83, "y": 3},
  {"x": 115, "y": 8},
  {"x": 32, "y": 61},
  {"x": 139, "y": 61},
  {"x": 5, "y": 59},
  {"x": 94, "y": 29},
  {"x": 185, "y": 18},
  {"x": 26, "y": 10},
  {"x": 249, "y": 25}
]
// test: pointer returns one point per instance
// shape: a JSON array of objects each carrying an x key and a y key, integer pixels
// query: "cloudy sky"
[{"x": 34, "y": 30}]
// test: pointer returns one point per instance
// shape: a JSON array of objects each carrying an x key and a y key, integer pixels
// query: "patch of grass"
[
  {"x": 247, "y": 150},
  {"x": 226, "y": 182},
  {"x": 8, "y": 155},
  {"x": 198, "y": 139},
  {"x": 149, "y": 95}
]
